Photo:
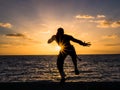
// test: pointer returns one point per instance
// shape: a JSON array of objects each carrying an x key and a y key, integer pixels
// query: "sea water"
[{"x": 29, "y": 68}]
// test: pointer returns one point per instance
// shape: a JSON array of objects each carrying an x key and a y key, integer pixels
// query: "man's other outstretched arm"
[
  {"x": 81, "y": 42},
  {"x": 51, "y": 39}
]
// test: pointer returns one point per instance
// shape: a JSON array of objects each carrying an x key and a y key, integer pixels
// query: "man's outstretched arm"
[
  {"x": 51, "y": 39},
  {"x": 81, "y": 42}
]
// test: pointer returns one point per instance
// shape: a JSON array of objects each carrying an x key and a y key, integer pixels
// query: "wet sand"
[{"x": 46, "y": 85}]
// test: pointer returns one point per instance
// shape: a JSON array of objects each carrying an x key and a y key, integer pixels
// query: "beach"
[{"x": 46, "y": 85}]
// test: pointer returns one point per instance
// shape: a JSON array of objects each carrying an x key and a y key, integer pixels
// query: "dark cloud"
[
  {"x": 113, "y": 44},
  {"x": 23, "y": 36},
  {"x": 112, "y": 36},
  {"x": 116, "y": 24},
  {"x": 16, "y": 35},
  {"x": 108, "y": 24}
]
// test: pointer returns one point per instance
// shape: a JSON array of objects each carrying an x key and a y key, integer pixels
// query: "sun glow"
[{"x": 58, "y": 48}]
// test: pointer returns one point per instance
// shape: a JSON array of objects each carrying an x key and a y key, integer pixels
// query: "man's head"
[{"x": 60, "y": 31}]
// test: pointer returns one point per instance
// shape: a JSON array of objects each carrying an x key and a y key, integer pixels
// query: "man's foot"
[
  {"x": 63, "y": 75},
  {"x": 77, "y": 72},
  {"x": 62, "y": 81}
]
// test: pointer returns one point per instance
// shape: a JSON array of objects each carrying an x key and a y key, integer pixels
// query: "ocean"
[{"x": 29, "y": 68}]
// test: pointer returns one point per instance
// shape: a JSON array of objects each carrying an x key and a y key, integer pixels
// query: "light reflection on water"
[{"x": 97, "y": 68}]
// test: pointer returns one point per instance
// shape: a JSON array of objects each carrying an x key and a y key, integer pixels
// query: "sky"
[{"x": 26, "y": 25}]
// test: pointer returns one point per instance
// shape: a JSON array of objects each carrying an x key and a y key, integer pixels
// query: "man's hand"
[
  {"x": 51, "y": 39},
  {"x": 86, "y": 44}
]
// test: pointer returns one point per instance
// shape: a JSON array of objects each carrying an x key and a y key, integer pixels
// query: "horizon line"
[{"x": 54, "y": 54}]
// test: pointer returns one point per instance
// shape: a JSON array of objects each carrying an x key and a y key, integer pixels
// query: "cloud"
[
  {"x": 23, "y": 36},
  {"x": 6, "y": 25},
  {"x": 103, "y": 23},
  {"x": 84, "y": 17},
  {"x": 100, "y": 20},
  {"x": 113, "y": 44},
  {"x": 13, "y": 43},
  {"x": 5, "y": 45},
  {"x": 18, "y": 35},
  {"x": 15, "y": 35},
  {"x": 14, "y": 39},
  {"x": 113, "y": 36},
  {"x": 89, "y": 16},
  {"x": 101, "y": 16},
  {"x": 108, "y": 24},
  {"x": 115, "y": 24}
]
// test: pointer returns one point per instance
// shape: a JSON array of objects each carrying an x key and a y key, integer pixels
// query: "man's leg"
[
  {"x": 60, "y": 62},
  {"x": 74, "y": 59},
  {"x": 75, "y": 65}
]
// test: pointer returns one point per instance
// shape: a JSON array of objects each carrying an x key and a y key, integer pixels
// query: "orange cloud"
[
  {"x": 89, "y": 16},
  {"x": 113, "y": 44},
  {"x": 103, "y": 23},
  {"x": 84, "y": 17},
  {"x": 113, "y": 36},
  {"x": 100, "y": 20},
  {"x": 108, "y": 24},
  {"x": 5, "y": 25},
  {"x": 116, "y": 24}
]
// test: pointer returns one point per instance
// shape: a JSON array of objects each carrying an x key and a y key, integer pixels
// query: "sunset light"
[
  {"x": 26, "y": 29},
  {"x": 58, "y": 48}
]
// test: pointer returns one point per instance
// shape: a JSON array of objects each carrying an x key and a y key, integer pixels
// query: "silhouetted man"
[{"x": 63, "y": 40}]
